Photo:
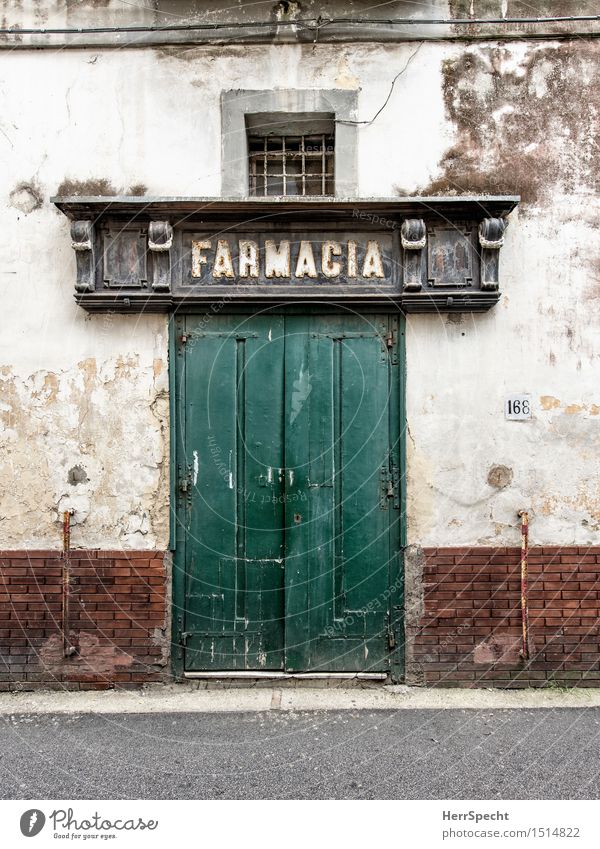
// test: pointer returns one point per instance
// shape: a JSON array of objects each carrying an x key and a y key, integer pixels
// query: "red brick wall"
[
  {"x": 470, "y": 631},
  {"x": 118, "y": 619}
]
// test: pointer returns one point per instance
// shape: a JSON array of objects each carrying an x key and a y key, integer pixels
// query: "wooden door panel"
[
  {"x": 291, "y": 443},
  {"x": 234, "y": 448},
  {"x": 338, "y": 541}
]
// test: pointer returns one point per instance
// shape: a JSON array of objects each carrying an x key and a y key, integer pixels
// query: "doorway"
[{"x": 288, "y": 493}]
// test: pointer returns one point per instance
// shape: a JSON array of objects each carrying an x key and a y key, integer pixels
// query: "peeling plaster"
[
  {"x": 500, "y": 476},
  {"x": 524, "y": 117},
  {"x": 26, "y": 197},
  {"x": 519, "y": 110},
  {"x": 345, "y": 77},
  {"x": 548, "y": 402},
  {"x": 93, "y": 439},
  {"x": 77, "y": 475},
  {"x": 414, "y": 608},
  {"x": 92, "y": 391}
]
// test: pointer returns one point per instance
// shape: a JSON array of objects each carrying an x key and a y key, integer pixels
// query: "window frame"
[
  {"x": 304, "y": 160},
  {"x": 290, "y": 107}
]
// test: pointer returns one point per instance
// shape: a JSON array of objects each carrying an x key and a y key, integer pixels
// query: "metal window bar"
[
  {"x": 283, "y": 163},
  {"x": 291, "y": 165},
  {"x": 265, "y": 166}
]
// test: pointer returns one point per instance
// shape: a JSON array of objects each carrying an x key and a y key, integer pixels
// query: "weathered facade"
[{"x": 115, "y": 118}]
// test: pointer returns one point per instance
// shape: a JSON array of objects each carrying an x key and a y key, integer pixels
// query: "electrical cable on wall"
[
  {"x": 311, "y": 24},
  {"x": 387, "y": 100}
]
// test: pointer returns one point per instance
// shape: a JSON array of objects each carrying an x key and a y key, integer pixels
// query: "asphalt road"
[{"x": 406, "y": 754}]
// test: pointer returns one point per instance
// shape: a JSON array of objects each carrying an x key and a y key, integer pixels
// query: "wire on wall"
[
  {"x": 313, "y": 24},
  {"x": 387, "y": 100}
]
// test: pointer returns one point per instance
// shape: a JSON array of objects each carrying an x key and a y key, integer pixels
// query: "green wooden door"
[
  {"x": 232, "y": 382},
  {"x": 288, "y": 474}
]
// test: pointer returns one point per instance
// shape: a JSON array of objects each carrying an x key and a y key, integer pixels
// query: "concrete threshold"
[
  {"x": 182, "y": 698},
  {"x": 305, "y": 676}
]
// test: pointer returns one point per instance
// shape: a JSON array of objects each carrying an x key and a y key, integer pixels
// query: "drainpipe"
[
  {"x": 524, "y": 515},
  {"x": 68, "y": 649}
]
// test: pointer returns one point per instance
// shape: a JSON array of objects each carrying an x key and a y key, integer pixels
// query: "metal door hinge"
[
  {"x": 185, "y": 481},
  {"x": 390, "y": 348},
  {"x": 183, "y": 638},
  {"x": 395, "y": 476},
  {"x": 384, "y": 480},
  {"x": 391, "y": 638},
  {"x": 390, "y": 488}
]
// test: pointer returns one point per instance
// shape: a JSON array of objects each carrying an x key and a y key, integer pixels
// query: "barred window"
[{"x": 291, "y": 164}]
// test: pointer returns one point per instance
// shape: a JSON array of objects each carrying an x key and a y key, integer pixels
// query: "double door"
[{"x": 288, "y": 480}]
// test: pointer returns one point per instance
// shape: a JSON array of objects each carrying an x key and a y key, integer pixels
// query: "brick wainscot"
[
  {"x": 118, "y": 619},
  {"x": 469, "y": 632}
]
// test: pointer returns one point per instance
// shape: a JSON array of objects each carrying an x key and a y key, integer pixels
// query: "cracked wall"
[
  {"x": 83, "y": 399},
  {"x": 524, "y": 119},
  {"x": 90, "y": 437},
  {"x": 90, "y": 392}
]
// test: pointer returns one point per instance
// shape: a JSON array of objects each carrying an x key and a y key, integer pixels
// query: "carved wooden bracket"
[
  {"x": 82, "y": 242},
  {"x": 491, "y": 239},
  {"x": 413, "y": 235},
  {"x": 160, "y": 242}
]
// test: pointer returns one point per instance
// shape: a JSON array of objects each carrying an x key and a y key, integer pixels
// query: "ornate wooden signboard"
[{"x": 161, "y": 254}]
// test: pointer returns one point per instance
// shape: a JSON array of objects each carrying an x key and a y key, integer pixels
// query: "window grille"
[{"x": 291, "y": 165}]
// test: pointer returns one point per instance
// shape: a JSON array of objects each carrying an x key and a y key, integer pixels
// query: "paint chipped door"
[
  {"x": 232, "y": 380},
  {"x": 289, "y": 504},
  {"x": 340, "y": 407}
]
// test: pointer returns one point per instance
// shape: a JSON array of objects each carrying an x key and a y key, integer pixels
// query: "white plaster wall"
[
  {"x": 544, "y": 336},
  {"x": 76, "y": 391},
  {"x": 92, "y": 390},
  {"x": 541, "y": 339}
]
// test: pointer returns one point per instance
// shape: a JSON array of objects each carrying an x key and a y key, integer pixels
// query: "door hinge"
[
  {"x": 390, "y": 487},
  {"x": 185, "y": 481},
  {"x": 391, "y": 347},
  {"x": 184, "y": 338},
  {"x": 391, "y": 638},
  {"x": 395, "y": 475},
  {"x": 183, "y": 638},
  {"x": 383, "y": 495}
]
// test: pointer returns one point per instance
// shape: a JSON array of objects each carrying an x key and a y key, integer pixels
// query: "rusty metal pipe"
[
  {"x": 524, "y": 515},
  {"x": 68, "y": 648}
]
